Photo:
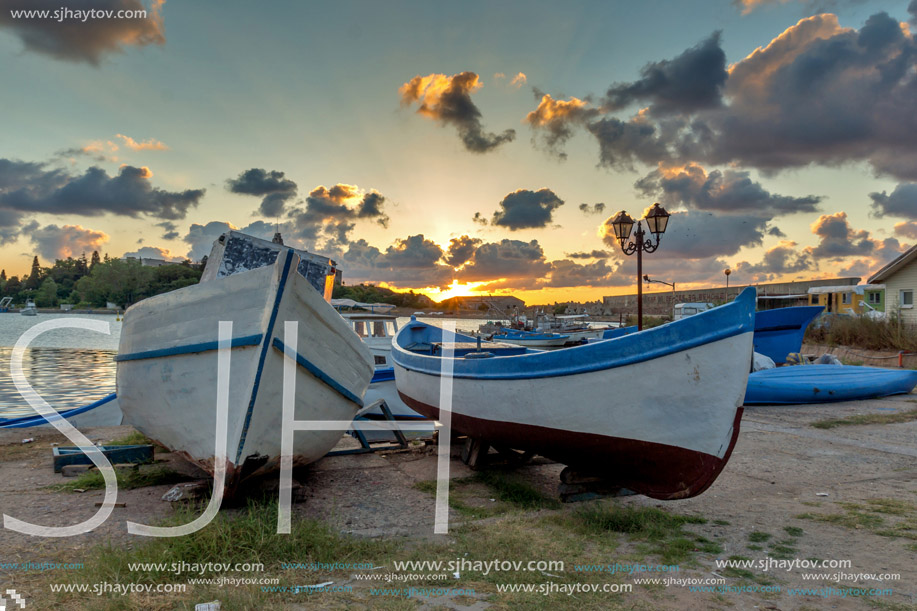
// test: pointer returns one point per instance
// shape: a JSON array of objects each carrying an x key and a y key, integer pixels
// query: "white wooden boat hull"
[
  {"x": 656, "y": 412},
  {"x": 553, "y": 342},
  {"x": 167, "y": 389}
]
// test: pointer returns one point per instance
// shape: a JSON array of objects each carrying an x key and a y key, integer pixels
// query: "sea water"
[{"x": 67, "y": 367}]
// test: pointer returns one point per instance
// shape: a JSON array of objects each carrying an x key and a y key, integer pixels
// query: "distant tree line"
[
  {"x": 94, "y": 282},
  {"x": 370, "y": 293}
]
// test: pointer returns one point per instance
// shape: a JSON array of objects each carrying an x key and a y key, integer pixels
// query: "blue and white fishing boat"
[
  {"x": 104, "y": 412},
  {"x": 532, "y": 339},
  {"x": 826, "y": 384},
  {"x": 656, "y": 412},
  {"x": 780, "y": 331},
  {"x": 167, "y": 367}
]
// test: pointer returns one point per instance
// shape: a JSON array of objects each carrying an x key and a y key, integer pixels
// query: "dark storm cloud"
[
  {"x": 784, "y": 258},
  {"x": 818, "y": 94},
  {"x": 272, "y": 185},
  {"x": 902, "y": 201},
  {"x": 566, "y": 273},
  {"x": 912, "y": 9},
  {"x": 413, "y": 261},
  {"x": 29, "y": 188},
  {"x": 622, "y": 143},
  {"x": 170, "y": 230},
  {"x": 699, "y": 234},
  {"x": 595, "y": 254},
  {"x": 726, "y": 191},
  {"x": 447, "y": 99},
  {"x": 523, "y": 209},
  {"x": 461, "y": 249},
  {"x": 689, "y": 82},
  {"x": 598, "y": 208},
  {"x": 512, "y": 259},
  {"x": 70, "y": 37}
]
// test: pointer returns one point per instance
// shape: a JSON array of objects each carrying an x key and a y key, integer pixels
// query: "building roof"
[
  {"x": 858, "y": 289},
  {"x": 895, "y": 266}
]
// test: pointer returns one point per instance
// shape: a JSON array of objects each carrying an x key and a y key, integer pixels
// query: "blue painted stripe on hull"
[
  {"x": 720, "y": 323},
  {"x": 264, "y": 348},
  {"x": 321, "y": 375},
  {"x": 248, "y": 340},
  {"x": 37, "y": 419}
]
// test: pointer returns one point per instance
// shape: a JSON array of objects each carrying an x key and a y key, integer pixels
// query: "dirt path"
[{"x": 791, "y": 492}]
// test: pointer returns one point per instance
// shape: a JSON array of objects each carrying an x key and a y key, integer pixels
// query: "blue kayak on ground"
[{"x": 825, "y": 384}]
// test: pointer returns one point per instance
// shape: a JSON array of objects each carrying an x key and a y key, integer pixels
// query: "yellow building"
[{"x": 844, "y": 299}]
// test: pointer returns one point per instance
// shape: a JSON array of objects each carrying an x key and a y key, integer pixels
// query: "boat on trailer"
[
  {"x": 167, "y": 367},
  {"x": 104, "y": 412},
  {"x": 655, "y": 412},
  {"x": 779, "y": 332}
]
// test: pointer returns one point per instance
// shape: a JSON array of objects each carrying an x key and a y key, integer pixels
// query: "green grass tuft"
[
  {"x": 758, "y": 537},
  {"x": 128, "y": 479},
  {"x": 862, "y": 419}
]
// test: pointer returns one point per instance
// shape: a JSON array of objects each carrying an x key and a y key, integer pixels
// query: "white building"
[{"x": 900, "y": 279}]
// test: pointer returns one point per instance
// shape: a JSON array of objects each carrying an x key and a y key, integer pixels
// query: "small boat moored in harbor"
[
  {"x": 29, "y": 309},
  {"x": 531, "y": 339},
  {"x": 167, "y": 367},
  {"x": 826, "y": 384},
  {"x": 655, "y": 412}
]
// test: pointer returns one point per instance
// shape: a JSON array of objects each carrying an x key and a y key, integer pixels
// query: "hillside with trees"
[
  {"x": 370, "y": 293},
  {"x": 95, "y": 282}
]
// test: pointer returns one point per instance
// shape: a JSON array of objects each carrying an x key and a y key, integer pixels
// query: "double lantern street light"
[{"x": 656, "y": 220}]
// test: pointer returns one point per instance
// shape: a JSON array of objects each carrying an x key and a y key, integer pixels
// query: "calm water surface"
[
  {"x": 73, "y": 367},
  {"x": 67, "y": 367}
]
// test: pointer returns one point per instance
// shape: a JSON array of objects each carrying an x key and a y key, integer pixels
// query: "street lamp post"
[
  {"x": 727, "y": 271},
  {"x": 656, "y": 220},
  {"x": 647, "y": 279}
]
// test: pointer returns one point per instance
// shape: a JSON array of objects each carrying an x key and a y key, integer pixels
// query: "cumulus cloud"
[
  {"x": 818, "y": 94},
  {"x": 837, "y": 239},
  {"x": 170, "y": 230},
  {"x": 524, "y": 209},
  {"x": 785, "y": 258},
  {"x": 697, "y": 234},
  {"x": 447, "y": 99},
  {"x": 902, "y": 201},
  {"x": 554, "y": 120},
  {"x": 907, "y": 229},
  {"x": 598, "y": 208},
  {"x": 726, "y": 191},
  {"x": 519, "y": 80},
  {"x": 413, "y": 261},
  {"x": 53, "y": 242},
  {"x": 31, "y": 188},
  {"x": 513, "y": 260},
  {"x": 154, "y": 252},
  {"x": 592, "y": 254},
  {"x": 273, "y": 186},
  {"x": 689, "y": 82},
  {"x": 567, "y": 273},
  {"x": 70, "y": 38},
  {"x": 332, "y": 212},
  {"x": 461, "y": 249},
  {"x": 146, "y": 145}
]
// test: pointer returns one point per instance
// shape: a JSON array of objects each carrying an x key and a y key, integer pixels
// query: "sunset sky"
[{"x": 483, "y": 144}]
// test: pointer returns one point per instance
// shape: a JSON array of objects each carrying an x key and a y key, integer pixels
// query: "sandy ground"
[{"x": 781, "y": 468}]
